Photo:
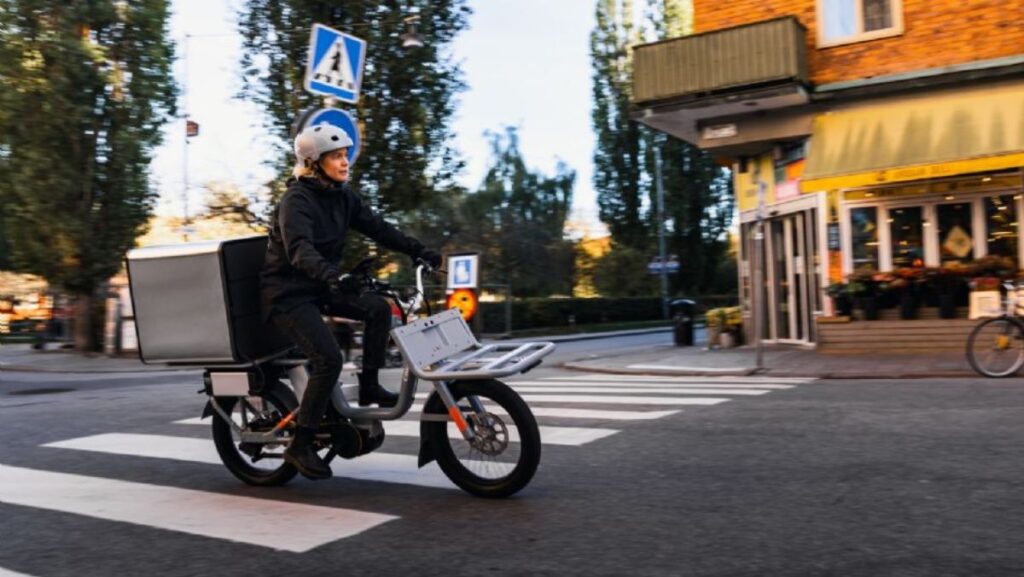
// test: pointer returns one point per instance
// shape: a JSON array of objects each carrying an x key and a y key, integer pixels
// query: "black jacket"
[{"x": 307, "y": 238}]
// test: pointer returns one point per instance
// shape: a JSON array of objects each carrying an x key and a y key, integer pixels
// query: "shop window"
[
  {"x": 905, "y": 226},
  {"x": 956, "y": 237},
  {"x": 864, "y": 232},
  {"x": 846, "y": 21},
  {"x": 1001, "y": 225}
]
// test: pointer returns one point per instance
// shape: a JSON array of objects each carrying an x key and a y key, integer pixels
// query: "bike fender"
[{"x": 434, "y": 405}]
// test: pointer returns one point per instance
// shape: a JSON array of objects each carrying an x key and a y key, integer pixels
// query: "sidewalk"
[{"x": 779, "y": 361}]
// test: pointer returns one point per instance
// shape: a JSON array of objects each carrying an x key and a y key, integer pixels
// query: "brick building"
[{"x": 868, "y": 135}]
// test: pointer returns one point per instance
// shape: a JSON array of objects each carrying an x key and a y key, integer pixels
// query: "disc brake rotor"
[{"x": 491, "y": 434}]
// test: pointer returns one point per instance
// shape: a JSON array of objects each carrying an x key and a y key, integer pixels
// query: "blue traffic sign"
[
  {"x": 463, "y": 271},
  {"x": 335, "y": 64},
  {"x": 342, "y": 120}
]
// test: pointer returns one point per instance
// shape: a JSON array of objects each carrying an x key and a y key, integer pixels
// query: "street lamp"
[{"x": 411, "y": 39}]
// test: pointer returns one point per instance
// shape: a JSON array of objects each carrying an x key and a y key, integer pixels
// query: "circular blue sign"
[{"x": 342, "y": 120}]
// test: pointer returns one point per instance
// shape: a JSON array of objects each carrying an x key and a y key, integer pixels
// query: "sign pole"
[
  {"x": 758, "y": 272},
  {"x": 663, "y": 269}
]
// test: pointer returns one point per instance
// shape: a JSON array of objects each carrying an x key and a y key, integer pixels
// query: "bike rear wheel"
[
  {"x": 255, "y": 464},
  {"x": 505, "y": 454},
  {"x": 995, "y": 347}
]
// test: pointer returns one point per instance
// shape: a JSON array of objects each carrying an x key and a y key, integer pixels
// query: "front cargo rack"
[{"x": 442, "y": 348}]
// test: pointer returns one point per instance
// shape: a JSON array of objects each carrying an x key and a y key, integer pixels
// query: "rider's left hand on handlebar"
[{"x": 430, "y": 258}]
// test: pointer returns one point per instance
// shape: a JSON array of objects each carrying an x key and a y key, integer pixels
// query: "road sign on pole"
[
  {"x": 335, "y": 63},
  {"x": 339, "y": 118},
  {"x": 462, "y": 271}
]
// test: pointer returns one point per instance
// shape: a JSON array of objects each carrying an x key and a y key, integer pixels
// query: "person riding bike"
[{"x": 300, "y": 280}]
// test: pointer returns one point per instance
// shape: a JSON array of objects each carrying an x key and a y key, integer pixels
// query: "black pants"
[{"x": 305, "y": 326}]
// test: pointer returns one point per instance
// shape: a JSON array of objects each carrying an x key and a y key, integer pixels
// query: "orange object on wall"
[{"x": 465, "y": 300}]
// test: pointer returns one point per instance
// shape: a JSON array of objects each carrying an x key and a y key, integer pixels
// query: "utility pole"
[
  {"x": 663, "y": 270},
  {"x": 184, "y": 165},
  {"x": 757, "y": 273}
]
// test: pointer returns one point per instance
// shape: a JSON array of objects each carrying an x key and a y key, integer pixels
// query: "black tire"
[
  {"x": 267, "y": 472},
  {"x": 475, "y": 468},
  {"x": 995, "y": 347}
]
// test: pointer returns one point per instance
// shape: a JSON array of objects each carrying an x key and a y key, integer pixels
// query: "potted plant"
[
  {"x": 906, "y": 286},
  {"x": 865, "y": 288},
  {"x": 945, "y": 282},
  {"x": 841, "y": 297}
]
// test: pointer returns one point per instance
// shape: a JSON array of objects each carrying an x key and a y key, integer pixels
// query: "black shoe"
[
  {"x": 301, "y": 455},
  {"x": 371, "y": 392}
]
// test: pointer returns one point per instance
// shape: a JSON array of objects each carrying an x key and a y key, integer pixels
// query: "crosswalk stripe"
[
  {"x": 568, "y": 413},
  {"x": 569, "y": 436},
  {"x": 267, "y": 523},
  {"x": 615, "y": 399},
  {"x": 749, "y": 380},
  {"x": 9, "y": 573},
  {"x": 656, "y": 385},
  {"x": 382, "y": 467},
  {"x": 553, "y": 388}
]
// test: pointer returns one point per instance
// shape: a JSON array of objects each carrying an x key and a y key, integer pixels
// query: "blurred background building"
[{"x": 884, "y": 136}]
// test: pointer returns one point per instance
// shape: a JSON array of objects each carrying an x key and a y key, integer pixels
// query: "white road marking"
[
  {"x": 566, "y": 413},
  {"x": 9, "y": 573},
  {"x": 569, "y": 436},
  {"x": 267, "y": 523},
  {"x": 751, "y": 379},
  {"x": 382, "y": 467},
  {"x": 614, "y": 399},
  {"x": 556, "y": 388},
  {"x": 652, "y": 384}
]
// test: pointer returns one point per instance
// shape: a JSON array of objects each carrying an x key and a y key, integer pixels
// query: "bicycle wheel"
[
  {"x": 995, "y": 347},
  {"x": 254, "y": 463},
  {"x": 504, "y": 456}
]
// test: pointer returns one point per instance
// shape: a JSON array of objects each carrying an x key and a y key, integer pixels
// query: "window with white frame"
[{"x": 846, "y": 21}]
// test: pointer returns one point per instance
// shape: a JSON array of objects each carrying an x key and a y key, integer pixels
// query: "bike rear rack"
[{"x": 442, "y": 348}]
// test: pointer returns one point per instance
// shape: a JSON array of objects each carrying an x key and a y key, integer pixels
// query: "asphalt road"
[{"x": 855, "y": 478}]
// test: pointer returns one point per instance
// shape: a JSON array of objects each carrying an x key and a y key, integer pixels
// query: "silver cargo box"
[{"x": 198, "y": 303}]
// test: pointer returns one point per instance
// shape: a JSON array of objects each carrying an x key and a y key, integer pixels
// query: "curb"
[
  {"x": 585, "y": 336},
  {"x": 710, "y": 372},
  {"x": 90, "y": 370}
]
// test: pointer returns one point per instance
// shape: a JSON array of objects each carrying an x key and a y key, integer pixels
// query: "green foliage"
[
  {"x": 87, "y": 87},
  {"x": 622, "y": 272},
  {"x": 698, "y": 200},
  {"x": 407, "y": 95},
  {"x": 619, "y": 173},
  {"x": 516, "y": 220}
]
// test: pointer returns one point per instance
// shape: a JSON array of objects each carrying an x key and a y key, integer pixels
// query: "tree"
[
  {"x": 87, "y": 87},
  {"x": 698, "y": 200},
  {"x": 408, "y": 95},
  {"x": 516, "y": 220},
  {"x": 619, "y": 173}
]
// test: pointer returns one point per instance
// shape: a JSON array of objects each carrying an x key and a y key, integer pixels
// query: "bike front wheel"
[
  {"x": 505, "y": 451},
  {"x": 995, "y": 347}
]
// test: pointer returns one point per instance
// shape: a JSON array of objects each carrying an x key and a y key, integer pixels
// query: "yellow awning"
[{"x": 915, "y": 138}]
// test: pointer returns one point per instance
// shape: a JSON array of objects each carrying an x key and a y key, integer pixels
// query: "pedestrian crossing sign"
[
  {"x": 462, "y": 271},
  {"x": 335, "y": 63}
]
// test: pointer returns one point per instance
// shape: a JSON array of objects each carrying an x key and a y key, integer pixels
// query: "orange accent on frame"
[
  {"x": 456, "y": 416},
  {"x": 284, "y": 422}
]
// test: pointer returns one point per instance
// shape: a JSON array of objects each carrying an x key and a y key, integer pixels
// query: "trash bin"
[{"x": 683, "y": 311}]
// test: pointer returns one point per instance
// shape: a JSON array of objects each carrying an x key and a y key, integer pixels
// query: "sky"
[{"x": 526, "y": 64}]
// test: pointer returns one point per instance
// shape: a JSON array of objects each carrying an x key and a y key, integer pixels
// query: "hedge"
[{"x": 554, "y": 312}]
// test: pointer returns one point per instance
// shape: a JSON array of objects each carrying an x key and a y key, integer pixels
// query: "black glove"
[
  {"x": 345, "y": 284},
  {"x": 431, "y": 258}
]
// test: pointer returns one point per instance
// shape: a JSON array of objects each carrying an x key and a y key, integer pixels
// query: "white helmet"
[{"x": 314, "y": 141}]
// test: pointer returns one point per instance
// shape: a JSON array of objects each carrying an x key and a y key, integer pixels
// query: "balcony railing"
[{"x": 748, "y": 56}]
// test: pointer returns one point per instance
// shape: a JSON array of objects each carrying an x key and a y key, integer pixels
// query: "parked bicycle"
[{"x": 995, "y": 347}]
